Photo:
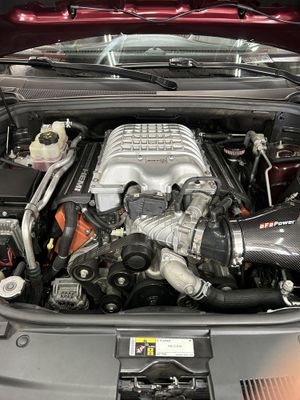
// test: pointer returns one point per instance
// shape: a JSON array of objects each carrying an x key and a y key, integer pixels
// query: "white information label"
[
  {"x": 174, "y": 347},
  {"x": 161, "y": 347}
]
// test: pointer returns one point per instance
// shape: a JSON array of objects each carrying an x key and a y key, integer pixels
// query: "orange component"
[
  {"x": 84, "y": 230},
  {"x": 245, "y": 212}
]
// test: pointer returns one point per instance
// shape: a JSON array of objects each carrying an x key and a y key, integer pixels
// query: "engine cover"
[{"x": 154, "y": 156}]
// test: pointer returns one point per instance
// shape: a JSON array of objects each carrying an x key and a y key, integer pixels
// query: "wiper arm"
[
  {"x": 42, "y": 62},
  {"x": 187, "y": 63}
]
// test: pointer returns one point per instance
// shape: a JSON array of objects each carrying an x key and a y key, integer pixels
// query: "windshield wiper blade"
[
  {"x": 41, "y": 62},
  {"x": 187, "y": 63}
]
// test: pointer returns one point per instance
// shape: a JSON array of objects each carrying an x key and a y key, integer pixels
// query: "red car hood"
[{"x": 25, "y": 24}]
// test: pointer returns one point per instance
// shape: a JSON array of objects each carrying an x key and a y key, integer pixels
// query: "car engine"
[{"x": 152, "y": 215}]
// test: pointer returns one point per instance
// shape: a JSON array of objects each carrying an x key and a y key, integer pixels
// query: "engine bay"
[{"x": 148, "y": 214}]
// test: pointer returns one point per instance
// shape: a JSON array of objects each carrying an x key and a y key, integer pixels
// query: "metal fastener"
[
  {"x": 288, "y": 286},
  {"x": 111, "y": 307},
  {"x": 22, "y": 341},
  {"x": 84, "y": 273},
  {"x": 121, "y": 281},
  {"x": 189, "y": 290}
]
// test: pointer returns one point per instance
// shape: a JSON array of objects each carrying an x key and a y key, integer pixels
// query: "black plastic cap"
[{"x": 48, "y": 138}]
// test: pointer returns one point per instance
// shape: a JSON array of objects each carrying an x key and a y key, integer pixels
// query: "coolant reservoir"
[{"x": 49, "y": 145}]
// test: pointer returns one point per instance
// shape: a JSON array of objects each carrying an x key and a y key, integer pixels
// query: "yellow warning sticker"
[
  {"x": 150, "y": 351},
  {"x": 145, "y": 340},
  {"x": 161, "y": 347}
]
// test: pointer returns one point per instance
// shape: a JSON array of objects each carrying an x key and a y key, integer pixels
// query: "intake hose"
[
  {"x": 66, "y": 239},
  {"x": 270, "y": 237},
  {"x": 235, "y": 300},
  {"x": 174, "y": 269}
]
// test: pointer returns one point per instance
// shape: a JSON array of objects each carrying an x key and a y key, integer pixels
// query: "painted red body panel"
[
  {"x": 280, "y": 176},
  {"x": 34, "y": 23}
]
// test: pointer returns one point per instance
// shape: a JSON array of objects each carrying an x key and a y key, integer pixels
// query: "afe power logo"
[{"x": 273, "y": 224}]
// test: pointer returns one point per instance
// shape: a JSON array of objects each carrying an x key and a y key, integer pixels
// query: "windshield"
[{"x": 125, "y": 50}]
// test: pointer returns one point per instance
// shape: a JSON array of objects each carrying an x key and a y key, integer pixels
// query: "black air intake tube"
[
  {"x": 272, "y": 236},
  {"x": 174, "y": 269},
  {"x": 269, "y": 237},
  {"x": 237, "y": 300}
]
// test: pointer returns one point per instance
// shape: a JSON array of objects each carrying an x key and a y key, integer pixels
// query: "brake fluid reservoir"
[{"x": 49, "y": 146}]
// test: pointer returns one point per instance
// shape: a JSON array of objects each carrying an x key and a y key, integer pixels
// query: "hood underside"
[{"x": 25, "y": 24}]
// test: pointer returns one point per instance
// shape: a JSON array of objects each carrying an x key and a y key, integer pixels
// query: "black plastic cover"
[
  {"x": 145, "y": 204},
  {"x": 75, "y": 187},
  {"x": 16, "y": 184}
]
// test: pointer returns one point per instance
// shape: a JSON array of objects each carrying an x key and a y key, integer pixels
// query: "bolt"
[
  {"x": 87, "y": 232},
  {"x": 22, "y": 341},
  {"x": 92, "y": 203},
  {"x": 121, "y": 281},
  {"x": 140, "y": 158},
  {"x": 171, "y": 158},
  {"x": 10, "y": 285},
  {"x": 84, "y": 273},
  {"x": 111, "y": 307},
  {"x": 189, "y": 290},
  {"x": 288, "y": 286},
  {"x": 4, "y": 213}
]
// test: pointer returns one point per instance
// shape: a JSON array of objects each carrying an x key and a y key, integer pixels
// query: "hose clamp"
[
  {"x": 237, "y": 244},
  {"x": 197, "y": 238},
  {"x": 203, "y": 291}
]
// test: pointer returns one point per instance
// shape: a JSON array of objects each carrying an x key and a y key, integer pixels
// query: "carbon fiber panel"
[{"x": 273, "y": 237}]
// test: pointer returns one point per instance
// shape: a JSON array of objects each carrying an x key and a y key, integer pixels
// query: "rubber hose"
[
  {"x": 36, "y": 291},
  {"x": 174, "y": 269},
  {"x": 258, "y": 298},
  {"x": 83, "y": 129},
  {"x": 20, "y": 268},
  {"x": 66, "y": 239},
  {"x": 99, "y": 223}
]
